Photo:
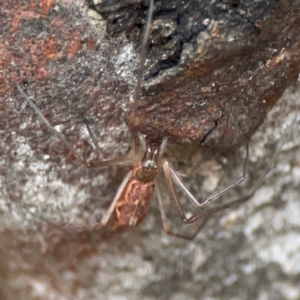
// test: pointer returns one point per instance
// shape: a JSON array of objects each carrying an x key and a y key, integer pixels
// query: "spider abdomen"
[{"x": 133, "y": 204}]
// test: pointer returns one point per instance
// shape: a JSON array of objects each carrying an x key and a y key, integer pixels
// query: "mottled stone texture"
[{"x": 60, "y": 52}]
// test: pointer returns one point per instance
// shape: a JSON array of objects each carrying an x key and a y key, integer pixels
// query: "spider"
[{"x": 131, "y": 203}]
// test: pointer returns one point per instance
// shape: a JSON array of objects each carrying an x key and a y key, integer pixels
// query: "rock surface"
[{"x": 77, "y": 74}]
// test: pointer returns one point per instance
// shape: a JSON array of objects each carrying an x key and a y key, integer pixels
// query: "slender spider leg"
[
  {"x": 165, "y": 220},
  {"x": 139, "y": 145},
  {"x": 112, "y": 206},
  {"x": 145, "y": 41},
  {"x": 195, "y": 167},
  {"x": 172, "y": 175},
  {"x": 125, "y": 160},
  {"x": 92, "y": 136},
  {"x": 209, "y": 212},
  {"x": 106, "y": 217}
]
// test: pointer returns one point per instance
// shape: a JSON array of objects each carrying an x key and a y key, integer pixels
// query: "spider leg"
[
  {"x": 125, "y": 160},
  {"x": 210, "y": 212},
  {"x": 144, "y": 45},
  {"x": 166, "y": 224},
  {"x": 195, "y": 167},
  {"x": 106, "y": 217},
  {"x": 92, "y": 135},
  {"x": 203, "y": 214},
  {"x": 172, "y": 176}
]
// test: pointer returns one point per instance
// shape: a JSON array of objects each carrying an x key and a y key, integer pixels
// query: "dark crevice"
[
  {"x": 188, "y": 17},
  {"x": 210, "y": 131}
]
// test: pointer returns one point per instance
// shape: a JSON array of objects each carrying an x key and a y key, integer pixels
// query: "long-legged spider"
[{"x": 131, "y": 203}]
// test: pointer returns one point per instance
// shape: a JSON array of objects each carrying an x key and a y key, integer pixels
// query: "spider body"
[
  {"x": 135, "y": 199},
  {"x": 134, "y": 203},
  {"x": 131, "y": 203}
]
